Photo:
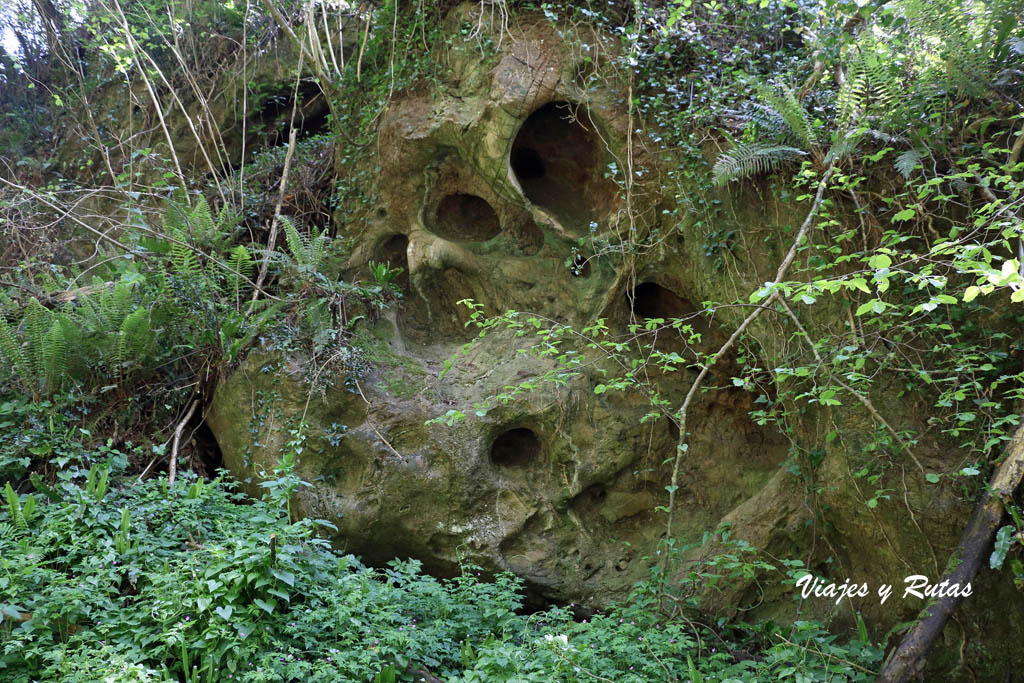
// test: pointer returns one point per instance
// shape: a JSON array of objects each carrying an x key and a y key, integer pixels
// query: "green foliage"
[
  {"x": 194, "y": 582},
  {"x": 747, "y": 159}
]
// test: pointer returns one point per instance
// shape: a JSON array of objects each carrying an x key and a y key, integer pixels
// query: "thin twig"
[
  {"x": 695, "y": 387},
  {"x": 172, "y": 468},
  {"x": 277, "y": 213},
  {"x": 370, "y": 422}
]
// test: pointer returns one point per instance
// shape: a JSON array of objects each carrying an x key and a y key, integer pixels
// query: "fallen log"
[{"x": 907, "y": 660}]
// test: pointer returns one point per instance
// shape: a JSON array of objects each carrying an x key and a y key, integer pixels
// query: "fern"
[
  {"x": 306, "y": 251},
  {"x": 133, "y": 340},
  {"x": 14, "y": 507},
  {"x": 241, "y": 268},
  {"x": 746, "y": 159},
  {"x": 12, "y": 355},
  {"x": 55, "y": 358},
  {"x": 907, "y": 161},
  {"x": 797, "y": 126}
]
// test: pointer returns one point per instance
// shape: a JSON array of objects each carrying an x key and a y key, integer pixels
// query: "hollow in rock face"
[
  {"x": 557, "y": 159},
  {"x": 515, "y": 448},
  {"x": 651, "y": 300},
  {"x": 394, "y": 252},
  {"x": 465, "y": 218}
]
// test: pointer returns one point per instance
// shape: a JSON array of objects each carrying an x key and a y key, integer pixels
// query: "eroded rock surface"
[{"x": 485, "y": 191}]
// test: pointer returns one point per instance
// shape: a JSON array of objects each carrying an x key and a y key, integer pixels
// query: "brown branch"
[
  {"x": 695, "y": 387},
  {"x": 277, "y": 213},
  {"x": 908, "y": 659}
]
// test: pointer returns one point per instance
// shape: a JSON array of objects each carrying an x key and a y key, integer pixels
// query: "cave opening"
[
  {"x": 394, "y": 251},
  {"x": 516, "y": 447},
  {"x": 651, "y": 300},
  {"x": 557, "y": 158},
  {"x": 465, "y": 218},
  {"x": 208, "y": 458}
]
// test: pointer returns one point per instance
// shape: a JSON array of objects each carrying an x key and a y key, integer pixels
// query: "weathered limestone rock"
[{"x": 485, "y": 193}]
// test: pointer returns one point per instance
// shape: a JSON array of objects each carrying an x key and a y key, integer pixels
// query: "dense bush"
[{"x": 137, "y": 581}]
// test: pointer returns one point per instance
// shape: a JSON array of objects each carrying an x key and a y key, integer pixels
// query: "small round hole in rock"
[
  {"x": 515, "y": 448},
  {"x": 651, "y": 300},
  {"x": 466, "y": 218},
  {"x": 580, "y": 266}
]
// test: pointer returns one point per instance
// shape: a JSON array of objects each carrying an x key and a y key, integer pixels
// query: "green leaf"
[
  {"x": 860, "y": 283},
  {"x": 267, "y": 607},
  {"x": 904, "y": 215},
  {"x": 224, "y": 612},
  {"x": 880, "y": 261},
  {"x": 932, "y": 477},
  {"x": 1002, "y": 546},
  {"x": 203, "y": 603},
  {"x": 971, "y": 293},
  {"x": 287, "y": 577},
  {"x": 873, "y": 306}
]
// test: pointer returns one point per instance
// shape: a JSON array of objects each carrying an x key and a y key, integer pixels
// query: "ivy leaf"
[
  {"x": 267, "y": 607},
  {"x": 287, "y": 577}
]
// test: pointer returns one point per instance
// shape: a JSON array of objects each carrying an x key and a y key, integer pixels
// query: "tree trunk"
[{"x": 907, "y": 660}]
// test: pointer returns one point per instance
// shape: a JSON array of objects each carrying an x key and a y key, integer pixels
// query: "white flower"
[{"x": 562, "y": 638}]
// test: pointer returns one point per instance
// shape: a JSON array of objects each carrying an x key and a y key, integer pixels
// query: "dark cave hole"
[
  {"x": 580, "y": 266},
  {"x": 673, "y": 431},
  {"x": 515, "y": 448},
  {"x": 466, "y": 218},
  {"x": 311, "y": 116},
  {"x": 394, "y": 251},
  {"x": 314, "y": 122},
  {"x": 651, "y": 300},
  {"x": 527, "y": 164},
  {"x": 207, "y": 451},
  {"x": 557, "y": 159}
]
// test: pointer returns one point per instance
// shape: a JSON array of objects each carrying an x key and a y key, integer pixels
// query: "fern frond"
[
  {"x": 200, "y": 220},
  {"x": 55, "y": 358},
  {"x": 37, "y": 323},
  {"x": 785, "y": 103},
  {"x": 906, "y": 162},
  {"x": 132, "y": 340},
  {"x": 241, "y": 264},
  {"x": 12, "y": 354},
  {"x": 318, "y": 246},
  {"x": 746, "y": 159},
  {"x": 298, "y": 244},
  {"x": 14, "y": 507}
]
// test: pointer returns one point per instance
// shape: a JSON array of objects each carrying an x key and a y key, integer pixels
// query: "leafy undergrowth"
[{"x": 115, "y": 580}]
